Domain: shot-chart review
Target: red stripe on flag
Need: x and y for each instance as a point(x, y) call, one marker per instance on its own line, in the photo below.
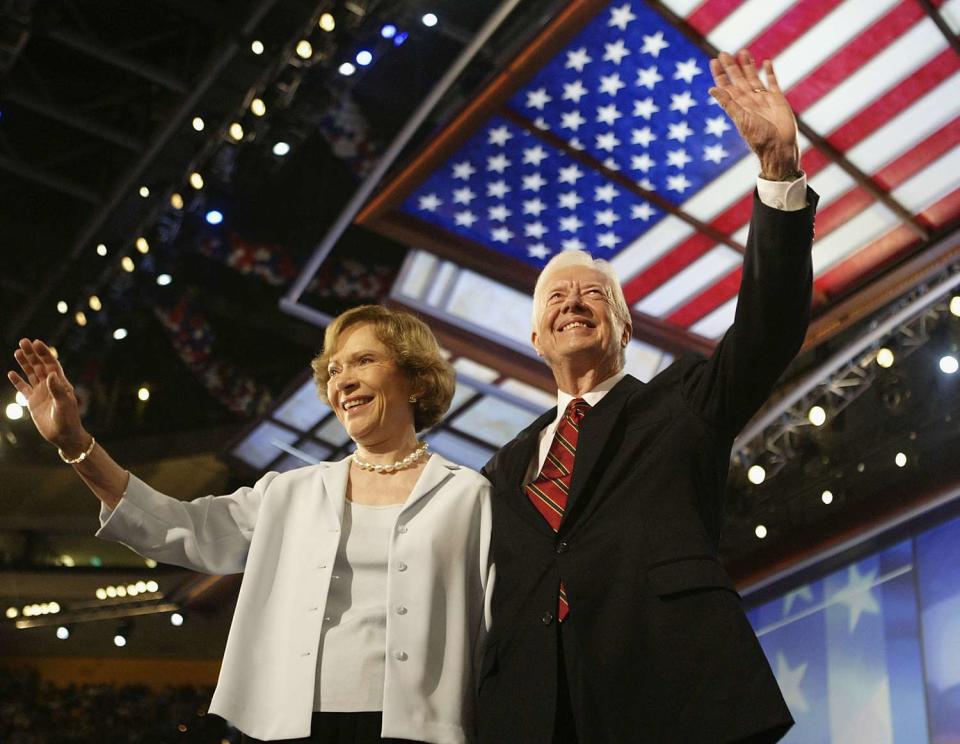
point(924, 153)
point(790, 26)
point(944, 211)
point(834, 70)
point(706, 17)
point(708, 300)
point(881, 251)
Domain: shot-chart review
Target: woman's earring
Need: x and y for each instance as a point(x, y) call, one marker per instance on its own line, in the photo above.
point(412, 399)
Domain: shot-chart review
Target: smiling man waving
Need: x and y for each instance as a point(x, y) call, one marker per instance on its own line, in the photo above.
point(613, 620)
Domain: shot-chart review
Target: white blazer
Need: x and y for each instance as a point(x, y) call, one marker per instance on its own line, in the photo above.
point(283, 534)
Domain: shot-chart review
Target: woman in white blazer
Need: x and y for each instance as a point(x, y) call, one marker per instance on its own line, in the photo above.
point(361, 614)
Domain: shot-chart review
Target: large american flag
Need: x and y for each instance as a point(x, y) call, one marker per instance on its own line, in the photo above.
point(875, 78)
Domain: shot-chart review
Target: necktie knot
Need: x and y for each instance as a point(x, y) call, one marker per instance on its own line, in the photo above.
point(577, 409)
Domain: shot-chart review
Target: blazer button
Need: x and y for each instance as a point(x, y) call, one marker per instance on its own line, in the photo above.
point(562, 546)
point(401, 566)
point(547, 618)
point(400, 655)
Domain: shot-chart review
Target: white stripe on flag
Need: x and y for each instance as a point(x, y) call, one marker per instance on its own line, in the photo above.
point(951, 14)
point(906, 129)
point(715, 324)
point(650, 246)
point(683, 8)
point(851, 236)
point(830, 183)
point(827, 37)
point(938, 179)
point(697, 276)
point(896, 62)
point(727, 188)
point(746, 22)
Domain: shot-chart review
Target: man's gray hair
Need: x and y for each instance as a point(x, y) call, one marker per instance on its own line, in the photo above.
point(581, 258)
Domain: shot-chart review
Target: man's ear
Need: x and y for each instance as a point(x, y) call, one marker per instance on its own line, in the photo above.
point(627, 334)
point(534, 343)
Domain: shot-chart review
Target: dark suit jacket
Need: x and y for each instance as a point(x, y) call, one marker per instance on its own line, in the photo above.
point(667, 654)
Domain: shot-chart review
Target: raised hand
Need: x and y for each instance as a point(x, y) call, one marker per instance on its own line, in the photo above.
point(760, 112)
point(50, 397)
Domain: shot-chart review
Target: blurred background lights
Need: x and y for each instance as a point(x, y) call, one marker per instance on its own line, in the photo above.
point(817, 416)
point(101, 250)
point(198, 123)
point(164, 279)
point(955, 305)
point(826, 497)
point(21, 399)
point(143, 394)
point(258, 107)
point(388, 31)
point(81, 318)
point(119, 334)
point(144, 192)
point(95, 303)
point(214, 217)
point(119, 640)
point(127, 263)
point(948, 364)
point(364, 58)
point(256, 46)
point(62, 307)
point(196, 180)
point(101, 593)
point(176, 201)
point(142, 245)
point(14, 411)
point(176, 619)
point(429, 20)
point(400, 38)
point(152, 586)
point(885, 358)
point(304, 49)
point(12, 612)
point(760, 531)
point(63, 632)
point(281, 148)
point(900, 459)
point(235, 131)
point(347, 69)
point(756, 474)
point(327, 22)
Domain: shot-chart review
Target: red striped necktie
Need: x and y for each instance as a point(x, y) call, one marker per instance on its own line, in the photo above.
point(548, 491)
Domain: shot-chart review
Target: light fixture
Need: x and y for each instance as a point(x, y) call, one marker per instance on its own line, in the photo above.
point(127, 263)
point(756, 474)
point(258, 107)
point(388, 31)
point(760, 531)
point(119, 640)
point(95, 303)
point(347, 69)
point(12, 612)
point(885, 357)
point(142, 245)
point(176, 201)
point(364, 57)
point(955, 305)
point(948, 364)
point(14, 411)
point(81, 318)
point(304, 49)
point(176, 619)
point(235, 131)
point(214, 217)
point(900, 459)
point(164, 279)
point(144, 192)
point(62, 307)
point(327, 22)
point(400, 38)
point(63, 632)
point(256, 46)
point(196, 180)
point(817, 416)
point(152, 586)
point(198, 123)
point(429, 20)
point(143, 394)
point(101, 250)
point(119, 334)
point(826, 497)
point(281, 148)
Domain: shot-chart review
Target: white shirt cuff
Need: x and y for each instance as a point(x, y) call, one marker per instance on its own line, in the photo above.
point(790, 196)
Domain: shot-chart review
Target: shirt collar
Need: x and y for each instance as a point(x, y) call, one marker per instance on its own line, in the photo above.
point(592, 397)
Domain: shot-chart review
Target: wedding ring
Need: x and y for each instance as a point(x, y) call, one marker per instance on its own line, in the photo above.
point(759, 90)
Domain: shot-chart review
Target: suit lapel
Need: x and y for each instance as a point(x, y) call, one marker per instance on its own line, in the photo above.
point(522, 451)
point(595, 430)
point(335, 478)
point(436, 472)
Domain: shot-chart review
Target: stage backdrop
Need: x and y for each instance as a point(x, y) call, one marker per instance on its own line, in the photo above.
point(871, 652)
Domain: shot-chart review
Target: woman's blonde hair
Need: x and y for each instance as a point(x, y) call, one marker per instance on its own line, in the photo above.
point(414, 349)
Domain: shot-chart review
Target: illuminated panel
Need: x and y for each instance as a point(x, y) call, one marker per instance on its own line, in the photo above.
point(302, 410)
point(259, 448)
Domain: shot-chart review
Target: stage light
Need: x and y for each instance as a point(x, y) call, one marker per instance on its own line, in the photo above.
point(327, 22)
point(101, 593)
point(142, 245)
point(948, 364)
point(121, 590)
point(12, 612)
point(176, 619)
point(235, 131)
point(81, 318)
point(388, 31)
point(281, 148)
point(149, 563)
point(885, 358)
point(143, 394)
point(347, 69)
point(176, 201)
point(400, 38)
point(214, 217)
point(144, 192)
point(63, 632)
point(153, 586)
point(95, 303)
point(900, 459)
point(127, 263)
point(14, 411)
point(119, 640)
point(111, 592)
point(429, 20)
point(826, 497)
point(198, 123)
point(62, 307)
point(955, 305)
point(164, 279)
point(21, 399)
point(132, 590)
point(256, 46)
point(141, 586)
point(119, 334)
point(760, 531)
point(304, 49)
point(756, 474)
point(101, 250)
point(196, 180)
point(258, 107)
point(364, 58)
point(817, 416)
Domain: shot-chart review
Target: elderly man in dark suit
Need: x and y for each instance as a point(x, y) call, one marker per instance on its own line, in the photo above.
point(613, 620)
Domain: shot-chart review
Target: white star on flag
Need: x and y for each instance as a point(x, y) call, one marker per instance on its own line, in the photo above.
point(804, 592)
point(570, 200)
point(465, 218)
point(642, 162)
point(534, 156)
point(498, 213)
point(501, 235)
point(642, 212)
point(538, 250)
point(538, 98)
point(611, 164)
point(499, 136)
point(535, 230)
point(578, 59)
point(606, 193)
point(575, 143)
point(498, 163)
point(642, 137)
point(645, 108)
point(678, 183)
point(646, 183)
point(574, 91)
point(615, 52)
point(464, 195)
point(534, 207)
point(714, 153)
point(605, 217)
point(679, 131)
point(463, 170)
point(573, 244)
point(570, 174)
point(649, 77)
point(789, 679)
point(533, 182)
point(607, 141)
point(430, 202)
point(571, 223)
point(541, 123)
point(687, 71)
point(621, 17)
point(857, 595)
point(608, 114)
point(498, 189)
point(608, 240)
point(682, 102)
point(678, 158)
point(654, 44)
point(717, 126)
point(611, 84)
point(572, 120)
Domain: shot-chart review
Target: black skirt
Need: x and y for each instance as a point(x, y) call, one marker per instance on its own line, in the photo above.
point(343, 728)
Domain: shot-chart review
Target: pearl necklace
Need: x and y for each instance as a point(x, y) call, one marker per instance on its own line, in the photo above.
point(414, 457)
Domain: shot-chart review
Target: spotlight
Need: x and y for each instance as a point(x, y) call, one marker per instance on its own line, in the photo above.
point(214, 217)
point(164, 279)
point(119, 334)
point(153, 586)
point(63, 632)
point(127, 263)
point(198, 123)
point(81, 318)
point(258, 107)
point(142, 245)
point(900, 460)
point(95, 303)
point(256, 46)
point(364, 58)
point(196, 180)
point(235, 131)
point(281, 148)
point(101, 593)
point(176, 201)
point(347, 69)
point(885, 358)
point(304, 49)
point(176, 619)
point(143, 394)
point(817, 416)
point(327, 22)
point(400, 38)
point(14, 411)
point(388, 31)
point(760, 531)
point(826, 497)
point(429, 20)
point(62, 307)
point(948, 364)
point(144, 192)
point(101, 250)
point(119, 640)
point(756, 474)
point(21, 399)
point(12, 612)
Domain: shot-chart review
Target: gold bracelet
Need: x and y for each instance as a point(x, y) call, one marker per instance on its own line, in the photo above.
point(80, 458)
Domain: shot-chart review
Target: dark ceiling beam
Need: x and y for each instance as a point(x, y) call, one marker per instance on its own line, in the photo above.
point(48, 179)
point(931, 10)
point(118, 59)
point(73, 119)
point(862, 179)
point(124, 186)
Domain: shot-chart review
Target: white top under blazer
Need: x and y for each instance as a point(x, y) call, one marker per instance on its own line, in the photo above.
point(283, 534)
